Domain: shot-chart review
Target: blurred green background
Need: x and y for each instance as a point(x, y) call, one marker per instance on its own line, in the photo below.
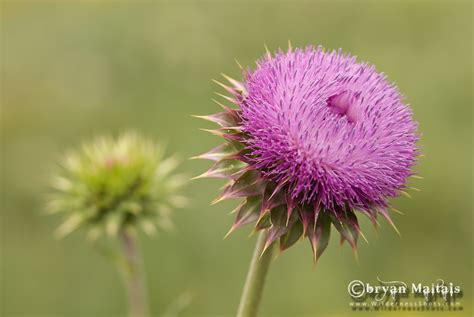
point(71, 71)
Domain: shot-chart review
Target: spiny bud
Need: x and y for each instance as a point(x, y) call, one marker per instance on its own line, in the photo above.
point(113, 184)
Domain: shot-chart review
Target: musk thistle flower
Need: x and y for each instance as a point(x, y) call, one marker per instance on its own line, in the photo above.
point(111, 185)
point(316, 139)
point(117, 186)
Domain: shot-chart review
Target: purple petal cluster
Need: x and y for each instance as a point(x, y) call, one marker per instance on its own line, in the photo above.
point(330, 129)
point(316, 137)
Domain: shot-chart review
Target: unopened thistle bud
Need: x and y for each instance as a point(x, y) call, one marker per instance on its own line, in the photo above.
point(316, 139)
point(110, 185)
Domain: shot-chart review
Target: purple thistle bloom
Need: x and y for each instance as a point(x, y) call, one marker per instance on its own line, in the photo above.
point(333, 129)
point(316, 132)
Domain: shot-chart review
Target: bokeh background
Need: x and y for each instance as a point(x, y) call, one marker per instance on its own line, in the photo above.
point(71, 71)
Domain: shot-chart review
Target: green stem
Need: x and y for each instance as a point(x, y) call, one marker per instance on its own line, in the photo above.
point(134, 278)
point(255, 281)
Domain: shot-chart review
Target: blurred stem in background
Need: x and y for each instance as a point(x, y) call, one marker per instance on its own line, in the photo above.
point(134, 277)
point(253, 289)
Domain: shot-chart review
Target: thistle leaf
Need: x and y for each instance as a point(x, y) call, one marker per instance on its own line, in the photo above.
point(114, 223)
point(273, 233)
point(230, 90)
point(278, 216)
point(246, 213)
point(230, 99)
point(218, 153)
point(354, 223)
point(372, 215)
point(290, 205)
point(148, 226)
point(247, 185)
point(292, 236)
point(225, 168)
point(232, 111)
point(70, 225)
point(232, 135)
point(346, 228)
point(319, 235)
point(306, 216)
point(263, 222)
point(95, 232)
point(386, 215)
point(270, 198)
point(167, 166)
point(224, 119)
point(238, 85)
point(165, 223)
point(278, 226)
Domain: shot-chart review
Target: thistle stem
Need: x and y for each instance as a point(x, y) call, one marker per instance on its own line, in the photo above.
point(255, 281)
point(134, 278)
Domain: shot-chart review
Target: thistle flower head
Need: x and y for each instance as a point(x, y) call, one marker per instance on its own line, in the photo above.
point(316, 137)
point(110, 185)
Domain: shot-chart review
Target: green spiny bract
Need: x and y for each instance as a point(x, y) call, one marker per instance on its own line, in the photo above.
point(110, 185)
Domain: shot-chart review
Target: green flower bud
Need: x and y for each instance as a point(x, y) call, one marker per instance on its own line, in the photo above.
point(111, 185)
